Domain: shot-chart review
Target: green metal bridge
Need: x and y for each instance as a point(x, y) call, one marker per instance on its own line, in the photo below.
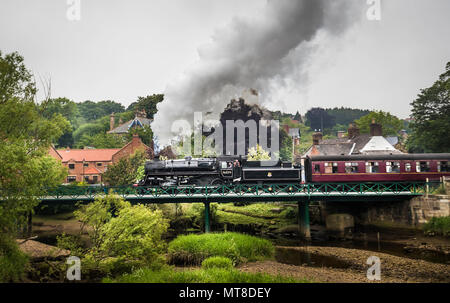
point(301, 193)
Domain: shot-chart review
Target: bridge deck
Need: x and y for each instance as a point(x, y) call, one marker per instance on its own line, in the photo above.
point(250, 193)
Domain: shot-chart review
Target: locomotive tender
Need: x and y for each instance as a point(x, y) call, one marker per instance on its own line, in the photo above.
point(317, 169)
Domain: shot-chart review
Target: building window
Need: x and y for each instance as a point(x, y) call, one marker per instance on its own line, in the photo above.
point(392, 167)
point(422, 166)
point(443, 166)
point(407, 167)
point(317, 168)
point(86, 178)
point(351, 168)
point(85, 164)
point(99, 164)
point(71, 166)
point(331, 167)
point(372, 167)
point(95, 179)
point(71, 179)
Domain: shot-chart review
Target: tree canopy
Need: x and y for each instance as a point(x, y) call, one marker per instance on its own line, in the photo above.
point(148, 103)
point(319, 119)
point(26, 168)
point(431, 117)
point(390, 123)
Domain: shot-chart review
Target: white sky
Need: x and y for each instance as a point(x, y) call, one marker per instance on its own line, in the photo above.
point(120, 50)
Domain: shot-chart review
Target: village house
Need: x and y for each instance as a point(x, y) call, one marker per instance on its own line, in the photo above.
point(354, 143)
point(140, 121)
point(88, 165)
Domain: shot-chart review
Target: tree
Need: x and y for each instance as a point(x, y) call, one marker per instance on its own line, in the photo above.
point(431, 117)
point(148, 103)
point(92, 111)
point(26, 169)
point(257, 154)
point(124, 172)
point(318, 119)
point(390, 123)
point(345, 116)
point(69, 110)
point(15, 79)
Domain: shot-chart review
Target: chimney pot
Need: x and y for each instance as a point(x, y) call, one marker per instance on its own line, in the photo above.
point(317, 137)
point(111, 121)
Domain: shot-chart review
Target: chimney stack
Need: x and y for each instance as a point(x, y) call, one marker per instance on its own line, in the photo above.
point(111, 122)
point(353, 131)
point(375, 129)
point(317, 137)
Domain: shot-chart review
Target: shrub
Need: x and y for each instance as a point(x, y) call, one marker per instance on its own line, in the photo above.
point(122, 236)
point(217, 262)
point(440, 226)
point(289, 213)
point(193, 249)
point(12, 260)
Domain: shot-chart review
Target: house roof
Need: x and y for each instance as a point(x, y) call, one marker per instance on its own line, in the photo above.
point(91, 171)
point(378, 144)
point(88, 155)
point(125, 127)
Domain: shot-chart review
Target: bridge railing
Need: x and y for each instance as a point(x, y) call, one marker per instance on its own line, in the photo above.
point(233, 190)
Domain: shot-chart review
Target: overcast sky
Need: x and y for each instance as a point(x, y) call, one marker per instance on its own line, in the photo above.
point(120, 50)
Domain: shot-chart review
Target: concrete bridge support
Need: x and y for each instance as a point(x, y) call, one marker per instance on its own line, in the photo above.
point(303, 220)
point(207, 218)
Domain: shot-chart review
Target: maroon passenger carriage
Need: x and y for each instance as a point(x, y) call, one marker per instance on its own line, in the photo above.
point(377, 168)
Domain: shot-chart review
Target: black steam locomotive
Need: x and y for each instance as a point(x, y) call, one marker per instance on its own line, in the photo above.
point(217, 171)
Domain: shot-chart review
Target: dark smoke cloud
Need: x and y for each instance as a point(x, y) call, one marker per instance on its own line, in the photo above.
point(250, 53)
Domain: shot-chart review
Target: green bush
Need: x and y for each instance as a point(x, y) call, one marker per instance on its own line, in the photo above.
point(12, 260)
point(193, 249)
point(289, 213)
point(212, 275)
point(440, 226)
point(217, 262)
point(122, 236)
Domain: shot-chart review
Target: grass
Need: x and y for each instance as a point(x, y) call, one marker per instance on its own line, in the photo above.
point(193, 249)
point(217, 262)
point(440, 226)
point(211, 275)
point(262, 210)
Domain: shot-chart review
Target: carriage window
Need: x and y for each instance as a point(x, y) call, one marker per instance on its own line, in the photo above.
point(331, 167)
point(351, 167)
point(317, 168)
point(407, 167)
point(372, 167)
point(443, 166)
point(392, 167)
point(422, 166)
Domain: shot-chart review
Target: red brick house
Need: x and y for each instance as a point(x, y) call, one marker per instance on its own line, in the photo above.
point(89, 164)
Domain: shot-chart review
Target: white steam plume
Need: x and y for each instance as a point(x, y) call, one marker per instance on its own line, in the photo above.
point(249, 53)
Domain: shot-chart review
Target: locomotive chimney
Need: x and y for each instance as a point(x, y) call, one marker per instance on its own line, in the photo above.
point(353, 131)
point(317, 137)
point(376, 129)
point(111, 121)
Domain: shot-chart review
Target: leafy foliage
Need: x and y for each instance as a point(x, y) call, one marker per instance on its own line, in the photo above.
point(390, 123)
point(257, 154)
point(25, 167)
point(92, 111)
point(125, 172)
point(440, 226)
point(148, 103)
point(122, 236)
point(431, 117)
point(319, 119)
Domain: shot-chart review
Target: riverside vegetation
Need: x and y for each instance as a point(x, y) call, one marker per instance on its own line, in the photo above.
point(126, 245)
